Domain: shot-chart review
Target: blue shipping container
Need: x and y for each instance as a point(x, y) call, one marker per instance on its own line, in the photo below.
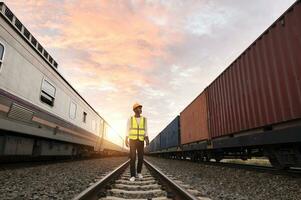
point(152, 146)
point(170, 136)
point(157, 143)
point(163, 139)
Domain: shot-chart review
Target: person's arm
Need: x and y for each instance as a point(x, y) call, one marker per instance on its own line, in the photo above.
point(126, 141)
point(146, 133)
point(127, 133)
point(146, 140)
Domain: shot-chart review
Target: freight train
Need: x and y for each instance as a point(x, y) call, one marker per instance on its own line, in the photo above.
point(253, 108)
point(41, 114)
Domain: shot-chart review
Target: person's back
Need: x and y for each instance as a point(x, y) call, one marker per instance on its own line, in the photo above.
point(136, 135)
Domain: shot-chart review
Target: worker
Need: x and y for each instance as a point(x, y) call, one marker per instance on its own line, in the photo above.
point(136, 135)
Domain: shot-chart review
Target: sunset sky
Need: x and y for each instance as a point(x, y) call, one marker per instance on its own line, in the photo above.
point(161, 54)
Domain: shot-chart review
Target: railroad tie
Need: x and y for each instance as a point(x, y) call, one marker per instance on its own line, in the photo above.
point(140, 189)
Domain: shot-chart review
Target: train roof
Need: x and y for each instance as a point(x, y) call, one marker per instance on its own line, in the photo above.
point(16, 24)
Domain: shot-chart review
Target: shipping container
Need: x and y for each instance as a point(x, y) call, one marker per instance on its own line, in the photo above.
point(163, 139)
point(170, 136)
point(194, 120)
point(157, 145)
point(262, 87)
point(147, 149)
point(151, 146)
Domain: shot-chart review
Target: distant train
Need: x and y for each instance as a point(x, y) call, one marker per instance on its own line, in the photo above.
point(41, 114)
point(252, 109)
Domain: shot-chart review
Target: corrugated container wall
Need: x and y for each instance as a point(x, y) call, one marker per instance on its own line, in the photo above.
point(157, 146)
point(263, 86)
point(194, 120)
point(163, 139)
point(151, 146)
point(170, 135)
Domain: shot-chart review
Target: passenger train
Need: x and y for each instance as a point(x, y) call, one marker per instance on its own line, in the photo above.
point(41, 114)
point(252, 109)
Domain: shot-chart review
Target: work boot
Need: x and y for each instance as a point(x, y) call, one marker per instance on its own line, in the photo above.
point(140, 176)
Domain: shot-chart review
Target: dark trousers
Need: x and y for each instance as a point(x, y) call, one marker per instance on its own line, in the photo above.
point(136, 145)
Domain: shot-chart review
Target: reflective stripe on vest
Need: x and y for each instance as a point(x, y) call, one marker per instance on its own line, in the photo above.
point(137, 131)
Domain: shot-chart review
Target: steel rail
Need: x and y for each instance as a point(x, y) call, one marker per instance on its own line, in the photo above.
point(93, 192)
point(179, 193)
point(296, 172)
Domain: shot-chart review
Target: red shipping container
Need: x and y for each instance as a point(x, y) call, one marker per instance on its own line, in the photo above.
point(263, 86)
point(194, 121)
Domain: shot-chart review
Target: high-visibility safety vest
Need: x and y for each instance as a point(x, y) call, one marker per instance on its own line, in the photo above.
point(137, 131)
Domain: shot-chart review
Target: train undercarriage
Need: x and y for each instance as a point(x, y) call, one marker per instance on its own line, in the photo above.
point(15, 147)
point(280, 156)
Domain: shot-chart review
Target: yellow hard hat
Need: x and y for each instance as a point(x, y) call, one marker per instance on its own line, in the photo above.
point(136, 105)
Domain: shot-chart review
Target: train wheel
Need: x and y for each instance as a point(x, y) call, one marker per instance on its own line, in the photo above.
point(206, 159)
point(276, 163)
point(194, 158)
point(218, 158)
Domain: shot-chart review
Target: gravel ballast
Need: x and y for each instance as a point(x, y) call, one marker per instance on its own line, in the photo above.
point(218, 182)
point(55, 181)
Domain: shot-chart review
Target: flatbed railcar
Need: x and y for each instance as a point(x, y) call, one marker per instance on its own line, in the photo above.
point(254, 107)
point(41, 114)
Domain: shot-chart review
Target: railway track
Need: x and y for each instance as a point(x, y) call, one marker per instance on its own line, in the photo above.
point(292, 172)
point(154, 185)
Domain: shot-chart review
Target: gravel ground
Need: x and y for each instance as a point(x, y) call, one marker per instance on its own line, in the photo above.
point(54, 181)
point(218, 182)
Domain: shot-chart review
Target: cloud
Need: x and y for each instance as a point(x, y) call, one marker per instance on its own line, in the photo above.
point(159, 53)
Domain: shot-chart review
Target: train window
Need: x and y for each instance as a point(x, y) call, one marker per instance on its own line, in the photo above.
point(18, 24)
point(46, 54)
point(26, 33)
point(47, 93)
point(97, 126)
point(40, 48)
point(50, 145)
point(34, 41)
point(72, 111)
point(9, 14)
point(84, 117)
point(93, 125)
point(100, 128)
point(1, 53)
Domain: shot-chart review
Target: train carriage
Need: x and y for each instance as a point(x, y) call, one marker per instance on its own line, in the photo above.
point(254, 107)
point(40, 112)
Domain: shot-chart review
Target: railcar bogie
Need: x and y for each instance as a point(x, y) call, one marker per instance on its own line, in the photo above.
point(284, 156)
